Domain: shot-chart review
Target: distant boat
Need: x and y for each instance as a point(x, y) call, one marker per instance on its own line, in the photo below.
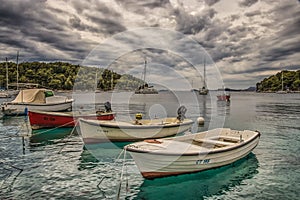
point(145, 89)
point(36, 99)
point(204, 90)
point(191, 153)
point(99, 131)
point(223, 97)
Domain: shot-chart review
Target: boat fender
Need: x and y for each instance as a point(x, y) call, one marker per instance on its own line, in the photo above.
point(153, 141)
point(200, 120)
point(138, 116)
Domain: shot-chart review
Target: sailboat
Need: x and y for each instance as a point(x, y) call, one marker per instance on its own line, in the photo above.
point(204, 90)
point(145, 89)
point(281, 91)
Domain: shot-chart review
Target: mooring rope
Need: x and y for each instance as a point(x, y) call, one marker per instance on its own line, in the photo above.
point(121, 177)
point(56, 127)
point(10, 173)
point(68, 137)
point(105, 176)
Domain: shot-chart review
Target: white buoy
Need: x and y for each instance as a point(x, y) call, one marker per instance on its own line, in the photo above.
point(200, 120)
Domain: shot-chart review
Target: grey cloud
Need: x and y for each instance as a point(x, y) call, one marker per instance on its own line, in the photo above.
point(107, 25)
point(253, 13)
point(234, 17)
point(247, 3)
point(285, 42)
point(106, 20)
point(37, 33)
point(139, 7)
point(211, 2)
point(192, 24)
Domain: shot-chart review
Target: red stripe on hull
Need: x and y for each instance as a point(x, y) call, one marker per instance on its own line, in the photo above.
point(43, 120)
point(152, 175)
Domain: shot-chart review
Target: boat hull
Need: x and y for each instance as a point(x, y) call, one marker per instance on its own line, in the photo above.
point(122, 132)
point(39, 119)
point(157, 164)
point(11, 108)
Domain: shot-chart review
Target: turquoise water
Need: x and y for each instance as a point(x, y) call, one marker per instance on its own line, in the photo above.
point(55, 164)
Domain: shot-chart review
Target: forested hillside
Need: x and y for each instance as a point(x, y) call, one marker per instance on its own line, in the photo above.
point(61, 76)
point(291, 82)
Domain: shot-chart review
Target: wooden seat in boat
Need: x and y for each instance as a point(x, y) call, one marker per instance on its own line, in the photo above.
point(214, 142)
point(227, 138)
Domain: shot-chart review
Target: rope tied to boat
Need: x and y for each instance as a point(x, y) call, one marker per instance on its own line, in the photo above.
point(10, 174)
point(68, 137)
point(121, 177)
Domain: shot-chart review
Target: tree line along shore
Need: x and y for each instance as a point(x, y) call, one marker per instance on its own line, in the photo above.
point(284, 80)
point(63, 76)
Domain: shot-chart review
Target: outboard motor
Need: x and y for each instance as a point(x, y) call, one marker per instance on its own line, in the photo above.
point(107, 106)
point(181, 113)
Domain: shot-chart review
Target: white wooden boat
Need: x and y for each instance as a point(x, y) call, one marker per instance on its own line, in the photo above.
point(36, 99)
point(193, 152)
point(97, 131)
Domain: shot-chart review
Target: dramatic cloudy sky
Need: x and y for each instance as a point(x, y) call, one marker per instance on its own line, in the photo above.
point(247, 39)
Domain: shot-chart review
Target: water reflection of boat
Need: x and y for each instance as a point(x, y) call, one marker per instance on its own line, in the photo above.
point(200, 185)
point(48, 136)
point(104, 153)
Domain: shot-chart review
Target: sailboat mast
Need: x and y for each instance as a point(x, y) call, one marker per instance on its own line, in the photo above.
point(6, 74)
point(204, 84)
point(17, 70)
point(282, 80)
point(112, 80)
point(145, 71)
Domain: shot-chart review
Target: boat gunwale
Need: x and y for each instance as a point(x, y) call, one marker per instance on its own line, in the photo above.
point(135, 126)
point(212, 151)
point(37, 104)
point(71, 115)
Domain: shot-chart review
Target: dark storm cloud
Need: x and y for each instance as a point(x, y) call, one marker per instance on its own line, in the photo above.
point(30, 27)
point(285, 42)
point(107, 25)
point(106, 20)
point(76, 23)
point(247, 3)
point(193, 24)
point(45, 31)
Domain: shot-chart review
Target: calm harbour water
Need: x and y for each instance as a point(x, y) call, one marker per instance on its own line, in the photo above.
point(56, 165)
